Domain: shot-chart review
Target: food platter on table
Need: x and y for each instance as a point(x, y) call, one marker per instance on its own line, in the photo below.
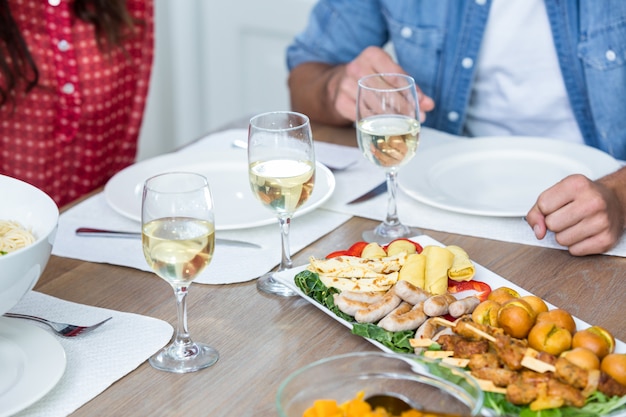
point(482, 275)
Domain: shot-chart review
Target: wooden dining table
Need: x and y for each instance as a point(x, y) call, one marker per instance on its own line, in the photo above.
point(263, 338)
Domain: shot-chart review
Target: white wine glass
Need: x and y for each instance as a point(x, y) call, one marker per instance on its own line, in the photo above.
point(388, 130)
point(281, 166)
point(178, 239)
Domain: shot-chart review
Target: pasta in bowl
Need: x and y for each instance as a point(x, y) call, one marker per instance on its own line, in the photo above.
point(28, 224)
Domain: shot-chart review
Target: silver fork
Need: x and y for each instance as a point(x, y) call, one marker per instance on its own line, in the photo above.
point(62, 329)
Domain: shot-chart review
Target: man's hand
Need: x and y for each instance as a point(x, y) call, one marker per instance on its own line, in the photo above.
point(372, 60)
point(327, 93)
point(586, 216)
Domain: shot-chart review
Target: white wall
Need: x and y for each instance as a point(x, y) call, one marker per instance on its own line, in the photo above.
point(215, 62)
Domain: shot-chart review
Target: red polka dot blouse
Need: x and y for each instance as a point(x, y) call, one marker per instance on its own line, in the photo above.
point(80, 124)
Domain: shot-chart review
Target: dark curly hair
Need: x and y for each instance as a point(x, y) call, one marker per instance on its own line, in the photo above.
point(110, 19)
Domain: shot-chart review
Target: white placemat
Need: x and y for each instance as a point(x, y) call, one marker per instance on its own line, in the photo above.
point(419, 215)
point(94, 360)
point(229, 264)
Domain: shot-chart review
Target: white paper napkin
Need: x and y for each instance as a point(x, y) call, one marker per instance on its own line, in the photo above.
point(229, 265)
point(94, 360)
point(419, 215)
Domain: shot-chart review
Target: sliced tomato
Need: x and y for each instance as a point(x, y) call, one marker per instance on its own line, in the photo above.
point(482, 289)
point(337, 253)
point(357, 248)
point(418, 247)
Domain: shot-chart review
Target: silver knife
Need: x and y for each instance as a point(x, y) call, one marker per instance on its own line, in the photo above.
point(379, 189)
point(87, 231)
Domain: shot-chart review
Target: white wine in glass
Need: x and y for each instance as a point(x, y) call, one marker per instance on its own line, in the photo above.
point(388, 130)
point(178, 239)
point(281, 164)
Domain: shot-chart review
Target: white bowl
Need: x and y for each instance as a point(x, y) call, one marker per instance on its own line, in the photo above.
point(35, 210)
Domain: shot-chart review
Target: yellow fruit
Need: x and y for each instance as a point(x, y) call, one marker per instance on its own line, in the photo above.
point(516, 317)
point(372, 251)
point(486, 313)
point(614, 364)
point(399, 246)
point(583, 358)
point(550, 338)
point(596, 339)
point(502, 294)
point(537, 304)
point(560, 317)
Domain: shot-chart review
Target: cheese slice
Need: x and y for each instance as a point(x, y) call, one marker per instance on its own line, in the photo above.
point(462, 268)
point(438, 261)
point(341, 263)
point(382, 282)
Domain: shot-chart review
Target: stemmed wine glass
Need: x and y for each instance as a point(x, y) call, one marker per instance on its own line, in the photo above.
point(178, 239)
point(388, 131)
point(281, 166)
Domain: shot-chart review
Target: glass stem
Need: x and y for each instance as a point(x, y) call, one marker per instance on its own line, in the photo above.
point(285, 261)
point(183, 345)
point(392, 191)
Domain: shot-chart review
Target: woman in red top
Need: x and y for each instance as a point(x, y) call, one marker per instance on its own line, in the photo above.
point(74, 78)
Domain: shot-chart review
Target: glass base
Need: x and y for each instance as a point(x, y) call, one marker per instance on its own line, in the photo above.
point(385, 233)
point(195, 357)
point(269, 285)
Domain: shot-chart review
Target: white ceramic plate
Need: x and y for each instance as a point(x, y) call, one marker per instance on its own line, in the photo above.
point(482, 274)
point(227, 172)
point(32, 362)
point(497, 176)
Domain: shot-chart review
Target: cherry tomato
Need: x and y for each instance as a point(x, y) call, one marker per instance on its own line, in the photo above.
point(418, 247)
point(337, 253)
point(357, 248)
point(482, 289)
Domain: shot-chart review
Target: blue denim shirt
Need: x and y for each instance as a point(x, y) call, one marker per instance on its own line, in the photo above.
point(437, 42)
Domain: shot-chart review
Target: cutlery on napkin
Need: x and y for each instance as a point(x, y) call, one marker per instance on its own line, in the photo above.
point(87, 231)
point(379, 189)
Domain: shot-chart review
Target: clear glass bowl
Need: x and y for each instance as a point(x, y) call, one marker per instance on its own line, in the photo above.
point(342, 377)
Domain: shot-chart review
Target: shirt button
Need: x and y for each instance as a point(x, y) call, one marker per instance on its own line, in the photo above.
point(481, 2)
point(610, 55)
point(63, 45)
point(453, 116)
point(68, 88)
point(467, 62)
point(406, 32)
point(54, 2)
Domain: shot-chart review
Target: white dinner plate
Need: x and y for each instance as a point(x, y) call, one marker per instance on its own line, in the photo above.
point(497, 176)
point(227, 171)
point(32, 362)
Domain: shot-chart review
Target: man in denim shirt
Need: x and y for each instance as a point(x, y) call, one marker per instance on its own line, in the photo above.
point(488, 67)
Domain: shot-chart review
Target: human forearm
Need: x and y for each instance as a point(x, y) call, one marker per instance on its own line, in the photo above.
point(314, 88)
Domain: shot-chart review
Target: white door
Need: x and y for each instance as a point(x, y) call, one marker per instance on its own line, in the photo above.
point(245, 55)
point(215, 62)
